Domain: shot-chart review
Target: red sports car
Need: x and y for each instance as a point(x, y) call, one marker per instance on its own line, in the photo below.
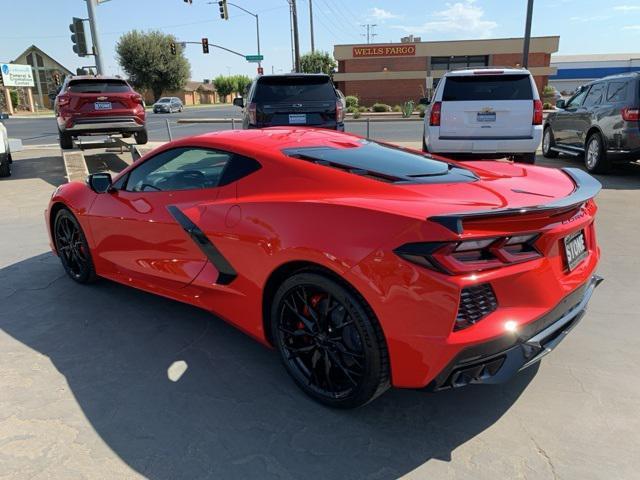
point(363, 264)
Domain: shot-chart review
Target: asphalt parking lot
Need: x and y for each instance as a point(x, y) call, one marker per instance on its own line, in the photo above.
point(108, 382)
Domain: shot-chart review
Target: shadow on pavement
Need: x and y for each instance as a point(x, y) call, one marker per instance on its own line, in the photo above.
point(234, 413)
point(45, 164)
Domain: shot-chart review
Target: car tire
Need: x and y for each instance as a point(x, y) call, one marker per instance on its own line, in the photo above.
point(425, 149)
point(66, 141)
point(72, 247)
point(141, 136)
point(5, 168)
point(339, 358)
point(595, 155)
point(527, 158)
point(548, 141)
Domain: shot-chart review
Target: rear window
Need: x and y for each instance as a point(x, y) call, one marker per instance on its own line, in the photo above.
point(374, 159)
point(616, 92)
point(98, 86)
point(288, 89)
point(487, 87)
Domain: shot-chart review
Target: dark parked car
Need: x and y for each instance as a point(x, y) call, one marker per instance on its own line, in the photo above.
point(168, 105)
point(99, 105)
point(293, 99)
point(600, 122)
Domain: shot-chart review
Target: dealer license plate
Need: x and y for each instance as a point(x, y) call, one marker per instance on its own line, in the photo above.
point(102, 105)
point(575, 249)
point(486, 116)
point(297, 118)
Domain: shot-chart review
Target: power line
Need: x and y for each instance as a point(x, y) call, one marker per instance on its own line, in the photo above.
point(345, 25)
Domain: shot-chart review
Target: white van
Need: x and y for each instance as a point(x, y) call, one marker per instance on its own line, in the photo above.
point(486, 113)
point(5, 153)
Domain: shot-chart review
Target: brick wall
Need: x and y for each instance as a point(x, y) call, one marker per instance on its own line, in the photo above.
point(391, 92)
point(513, 59)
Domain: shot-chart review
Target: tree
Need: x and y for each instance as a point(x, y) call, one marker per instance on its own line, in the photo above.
point(224, 86)
point(240, 83)
point(317, 62)
point(149, 63)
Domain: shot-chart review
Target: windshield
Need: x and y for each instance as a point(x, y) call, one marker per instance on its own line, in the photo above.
point(98, 86)
point(289, 89)
point(487, 87)
point(164, 100)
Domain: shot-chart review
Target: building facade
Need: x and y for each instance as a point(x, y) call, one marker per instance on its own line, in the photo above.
point(575, 70)
point(44, 68)
point(393, 73)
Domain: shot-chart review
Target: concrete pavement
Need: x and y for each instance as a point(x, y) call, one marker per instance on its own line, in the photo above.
point(90, 383)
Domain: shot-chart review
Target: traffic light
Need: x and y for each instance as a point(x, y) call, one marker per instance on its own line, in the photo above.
point(188, 1)
point(78, 37)
point(205, 45)
point(224, 14)
point(56, 79)
point(172, 46)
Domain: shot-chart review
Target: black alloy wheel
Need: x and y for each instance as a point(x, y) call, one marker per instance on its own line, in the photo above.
point(72, 248)
point(329, 341)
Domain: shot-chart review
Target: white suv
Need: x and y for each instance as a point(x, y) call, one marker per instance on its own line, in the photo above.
point(5, 153)
point(485, 112)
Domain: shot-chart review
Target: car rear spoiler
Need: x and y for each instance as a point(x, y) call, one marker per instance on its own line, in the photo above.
point(586, 187)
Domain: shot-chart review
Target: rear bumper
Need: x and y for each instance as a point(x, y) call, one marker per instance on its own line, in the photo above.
point(90, 125)
point(330, 126)
point(492, 363)
point(479, 145)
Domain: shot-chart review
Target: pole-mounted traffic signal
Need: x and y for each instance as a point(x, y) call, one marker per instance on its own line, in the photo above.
point(78, 37)
point(205, 45)
point(224, 14)
point(188, 1)
point(172, 47)
point(56, 79)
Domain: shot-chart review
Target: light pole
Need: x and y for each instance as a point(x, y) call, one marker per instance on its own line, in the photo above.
point(527, 35)
point(95, 36)
point(313, 49)
point(255, 15)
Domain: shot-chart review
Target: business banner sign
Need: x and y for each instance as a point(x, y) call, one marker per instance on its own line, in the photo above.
point(14, 75)
point(401, 50)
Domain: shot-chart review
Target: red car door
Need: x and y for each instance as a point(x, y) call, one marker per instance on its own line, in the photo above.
point(135, 232)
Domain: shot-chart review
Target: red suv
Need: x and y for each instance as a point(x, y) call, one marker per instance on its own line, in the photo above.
point(98, 105)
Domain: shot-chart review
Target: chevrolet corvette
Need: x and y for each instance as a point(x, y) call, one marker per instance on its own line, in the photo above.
point(364, 265)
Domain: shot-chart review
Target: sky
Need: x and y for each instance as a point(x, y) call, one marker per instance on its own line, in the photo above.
point(584, 26)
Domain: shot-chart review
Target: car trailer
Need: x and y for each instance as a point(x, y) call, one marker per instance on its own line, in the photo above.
point(74, 160)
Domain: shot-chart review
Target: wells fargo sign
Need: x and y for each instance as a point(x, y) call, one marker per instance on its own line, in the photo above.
point(385, 51)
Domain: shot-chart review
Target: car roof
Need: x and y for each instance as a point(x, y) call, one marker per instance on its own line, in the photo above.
point(96, 77)
point(487, 71)
point(625, 75)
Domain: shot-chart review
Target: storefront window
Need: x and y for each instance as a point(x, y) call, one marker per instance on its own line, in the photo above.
point(458, 62)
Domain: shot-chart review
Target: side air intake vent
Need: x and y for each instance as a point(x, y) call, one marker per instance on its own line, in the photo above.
point(475, 303)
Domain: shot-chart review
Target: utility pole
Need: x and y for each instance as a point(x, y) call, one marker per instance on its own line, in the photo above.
point(255, 15)
point(313, 49)
point(369, 34)
point(527, 35)
point(95, 36)
point(296, 40)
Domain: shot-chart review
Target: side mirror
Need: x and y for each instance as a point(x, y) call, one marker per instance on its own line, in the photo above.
point(99, 182)
point(424, 101)
point(560, 103)
point(238, 102)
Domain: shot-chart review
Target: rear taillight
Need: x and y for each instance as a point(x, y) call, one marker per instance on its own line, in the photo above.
point(339, 112)
point(63, 100)
point(537, 112)
point(252, 110)
point(468, 256)
point(434, 116)
point(137, 98)
point(631, 114)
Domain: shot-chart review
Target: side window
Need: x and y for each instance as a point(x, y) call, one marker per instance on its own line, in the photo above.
point(595, 95)
point(577, 99)
point(179, 169)
point(616, 92)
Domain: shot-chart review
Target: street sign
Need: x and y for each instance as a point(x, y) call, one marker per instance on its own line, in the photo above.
point(260, 71)
point(14, 75)
point(254, 58)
